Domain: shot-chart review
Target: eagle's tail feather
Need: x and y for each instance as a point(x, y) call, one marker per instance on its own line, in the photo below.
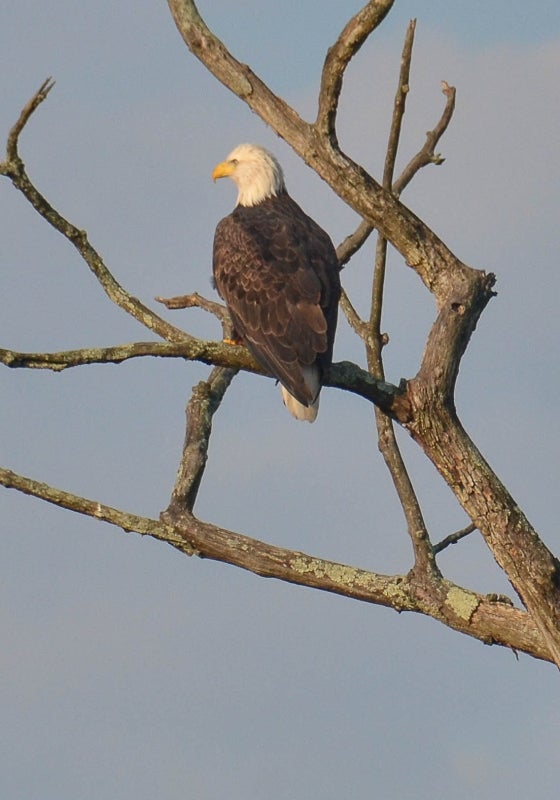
point(299, 410)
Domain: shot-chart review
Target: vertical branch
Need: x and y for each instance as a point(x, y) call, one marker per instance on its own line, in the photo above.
point(388, 446)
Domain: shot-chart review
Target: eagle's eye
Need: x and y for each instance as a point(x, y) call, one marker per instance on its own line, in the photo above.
point(234, 161)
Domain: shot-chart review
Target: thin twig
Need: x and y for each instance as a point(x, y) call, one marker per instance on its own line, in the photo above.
point(28, 109)
point(389, 449)
point(354, 320)
point(453, 538)
point(14, 169)
point(399, 106)
point(353, 242)
point(388, 446)
point(426, 155)
point(196, 300)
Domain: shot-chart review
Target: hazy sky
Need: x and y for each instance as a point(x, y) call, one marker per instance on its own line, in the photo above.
point(130, 672)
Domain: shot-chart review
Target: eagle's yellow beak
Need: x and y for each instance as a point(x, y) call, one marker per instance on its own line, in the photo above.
point(223, 170)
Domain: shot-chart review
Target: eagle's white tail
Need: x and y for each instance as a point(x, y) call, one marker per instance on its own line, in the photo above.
point(297, 409)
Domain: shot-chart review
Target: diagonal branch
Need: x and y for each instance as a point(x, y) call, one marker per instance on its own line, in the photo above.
point(353, 318)
point(352, 37)
point(196, 300)
point(399, 107)
point(427, 155)
point(205, 400)
point(237, 77)
point(453, 538)
point(422, 249)
point(485, 618)
point(12, 143)
point(91, 508)
point(14, 168)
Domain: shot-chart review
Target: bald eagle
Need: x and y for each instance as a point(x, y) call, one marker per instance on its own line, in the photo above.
point(278, 273)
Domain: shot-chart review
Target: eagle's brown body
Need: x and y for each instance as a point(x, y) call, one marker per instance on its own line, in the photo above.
point(278, 273)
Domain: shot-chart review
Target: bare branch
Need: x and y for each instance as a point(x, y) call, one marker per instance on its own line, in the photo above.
point(195, 300)
point(91, 508)
point(343, 375)
point(14, 169)
point(354, 320)
point(13, 137)
point(237, 77)
point(388, 446)
point(399, 105)
point(484, 618)
point(192, 349)
point(424, 560)
point(353, 242)
point(94, 355)
point(426, 155)
point(204, 402)
point(354, 34)
point(453, 538)
point(423, 158)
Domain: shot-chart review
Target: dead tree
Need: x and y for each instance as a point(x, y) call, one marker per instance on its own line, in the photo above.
point(424, 406)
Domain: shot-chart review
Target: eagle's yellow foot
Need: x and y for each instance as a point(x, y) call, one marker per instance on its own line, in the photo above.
point(234, 342)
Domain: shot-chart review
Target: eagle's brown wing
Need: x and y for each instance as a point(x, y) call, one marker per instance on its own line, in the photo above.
point(277, 271)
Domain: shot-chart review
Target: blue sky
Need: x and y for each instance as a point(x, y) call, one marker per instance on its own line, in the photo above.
point(129, 671)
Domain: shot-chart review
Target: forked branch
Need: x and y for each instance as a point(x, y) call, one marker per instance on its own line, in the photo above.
point(425, 405)
point(461, 294)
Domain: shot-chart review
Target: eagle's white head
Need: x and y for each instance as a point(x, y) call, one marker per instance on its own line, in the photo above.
point(256, 172)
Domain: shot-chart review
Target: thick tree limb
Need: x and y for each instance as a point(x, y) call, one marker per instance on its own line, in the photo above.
point(343, 375)
point(532, 569)
point(419, 245)
point(483, 617)
point(232, 73)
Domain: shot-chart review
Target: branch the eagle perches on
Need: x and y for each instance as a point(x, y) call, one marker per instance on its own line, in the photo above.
point(424, 405)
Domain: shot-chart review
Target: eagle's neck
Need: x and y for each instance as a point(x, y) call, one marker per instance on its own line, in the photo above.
point(263, 183)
